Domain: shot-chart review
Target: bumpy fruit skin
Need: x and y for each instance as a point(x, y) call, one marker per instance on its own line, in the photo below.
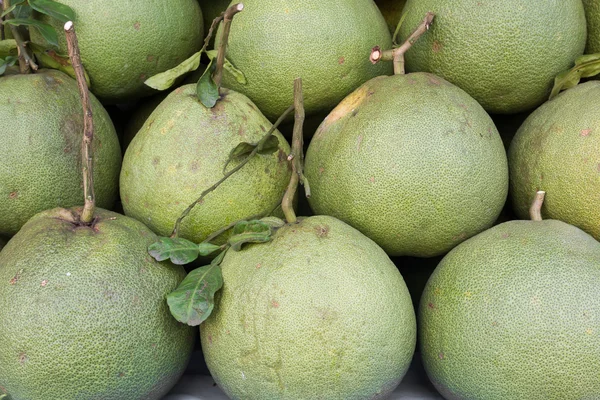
point(592, 14)
point(320, 312)
point(411, 161)
point(83, 312)
point(123, 43)
point(181, 151)
point(512, 314)
point(327, 44)
point(557, 149)
point(504, 54)
point(41, 128)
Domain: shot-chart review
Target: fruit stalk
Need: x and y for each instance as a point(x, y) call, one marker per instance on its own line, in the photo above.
point(87, 215)
point(297, 156)
point(397, 55)
point(230, 173)
point(535, 211)
point(26, 62)
point(227, 18)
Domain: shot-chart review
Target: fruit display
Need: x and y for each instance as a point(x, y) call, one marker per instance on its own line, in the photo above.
point(267, 200)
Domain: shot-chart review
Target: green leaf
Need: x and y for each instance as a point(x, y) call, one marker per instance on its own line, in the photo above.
point(7, 62)
point(14, 4)
point(47, 31)
point(273, 222)
point(51, 59)
point(207, 249)
point(229, 67)
point(180, 251)
point(194, 299)
point(249, 232)
point(586, 66)
point(8, 47)
point(55, 10)
point(207, 90)
point(244, 149)
point(166, 79)
point(22, 11)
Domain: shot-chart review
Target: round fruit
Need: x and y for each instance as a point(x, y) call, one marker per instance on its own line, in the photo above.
point(504, 54)
point(592, 13)
point(123, 43)
point(391, 11)
point(557, 149)
point(182, 150)
point(318, 313)
point(411, 161)
point(273, 43)
point(40, 156)
point(83, 312)
point(512, 314)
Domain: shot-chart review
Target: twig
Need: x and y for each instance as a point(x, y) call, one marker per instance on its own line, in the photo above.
point(227, 18)
point(187, 211)
point(213, 26)
point(87, 215)
point(297, 155)
point(397, 55)
point(535, 211)
point(26, 62)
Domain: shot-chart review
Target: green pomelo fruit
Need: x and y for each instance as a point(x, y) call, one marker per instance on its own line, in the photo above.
point(557, 149)
point(123, 43)
point(139, 116)
point(411, 161)
point(182, 150)
point(391, 11)
point(504, 54)
point(512, 313)
point(83, 312)
point(274, 42)
point(592, 13)
point(41, 122)
point(320, 312)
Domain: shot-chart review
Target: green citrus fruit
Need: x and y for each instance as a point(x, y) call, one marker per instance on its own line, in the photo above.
point(592, 13)
point(512, 314)
point(411, 161)
point(84, 314)
point(123, 43)
point(557, 149)
point(182, 150)
point(274, 42)
point(504, 54)
point(320, 312)
point(40, 156)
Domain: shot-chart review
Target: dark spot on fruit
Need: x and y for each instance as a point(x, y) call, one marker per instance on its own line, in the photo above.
point(155, 161)
point(16, 278)
point(136, 26)
point(441, 356)
point(194, 166)
point(433, 80)
point(262, 128)
point(505, 235)
point(370, 93)
point(321, 170)
point(121, 374)
point(150, 58)
point(241, 132)
point(322, 230)
point(586, 132)
point(461, 236)
point(341, 60)
point(431, 306)
point(44, 283)
point(281, 156)
point(436, 47)
point(210, 339)
point(267, 171)
point(143, 77)
point(50, 82)
point(23, 358)
point(494, 323)
point(13, 195)
point(598, 167)
point(274, 304)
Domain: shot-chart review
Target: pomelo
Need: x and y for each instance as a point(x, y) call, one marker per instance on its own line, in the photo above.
point(327, 44)
point(83, 312)
point(512, 313)
point(182, 150)
point(41, 122)
point(504, 54)
point(557, 149)
point(592, 13)
point(320, 312)
point(411, 161)
point(123, 43)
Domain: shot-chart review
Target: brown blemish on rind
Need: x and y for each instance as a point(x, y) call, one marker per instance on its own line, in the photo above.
point(322, 230)
point(586, 132)
point(13, 195)
point(341, 60)
point(23, 358)
point(436, 47)
point(136, 26)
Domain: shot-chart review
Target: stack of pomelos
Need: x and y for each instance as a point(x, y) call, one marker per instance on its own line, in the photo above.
point(416, 155)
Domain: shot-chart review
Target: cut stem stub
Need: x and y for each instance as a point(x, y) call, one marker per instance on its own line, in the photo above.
point(87, 215)
point(397, 55)
point(535, 211)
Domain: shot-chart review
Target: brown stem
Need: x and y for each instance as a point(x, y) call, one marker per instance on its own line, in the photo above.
point(26, 62)
point(187, 211)
point(297, 155)
point(397, 55)
point(87, 215)
point(227, 18)
point(535, 211)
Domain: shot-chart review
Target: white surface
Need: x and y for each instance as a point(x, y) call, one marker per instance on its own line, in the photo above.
point(414, 386)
